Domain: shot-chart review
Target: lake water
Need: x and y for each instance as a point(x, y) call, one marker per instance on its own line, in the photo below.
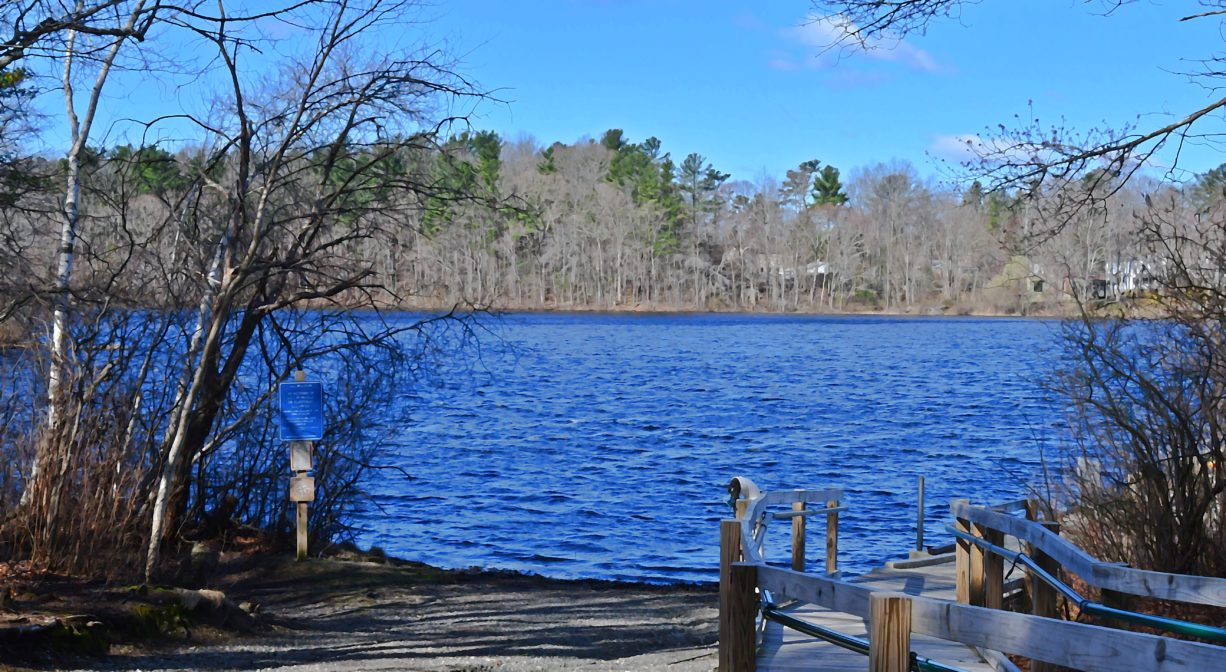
point(599, 446)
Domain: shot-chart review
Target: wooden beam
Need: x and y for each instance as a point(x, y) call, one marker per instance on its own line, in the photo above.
point(978, 569)
point(993, 569)
point(788, 515)
point(774, 497)
point(1044, 600)
point(1160, 585)
point(889, 639)
point(302, 531)
point(962, 561)
point(729, 553)
point(743, 613)
point(1077, 645)
point(849, 598)
point(1011, 505)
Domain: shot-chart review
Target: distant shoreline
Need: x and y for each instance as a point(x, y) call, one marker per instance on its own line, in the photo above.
point(665, 310)
point(765, 314)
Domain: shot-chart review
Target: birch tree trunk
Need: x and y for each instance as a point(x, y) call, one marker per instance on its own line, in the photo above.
point(79, 127)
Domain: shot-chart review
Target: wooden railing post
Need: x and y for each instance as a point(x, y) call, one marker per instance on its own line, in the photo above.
point(962, 559)
point(1042, 596)
point(729, 553)
point(889, 640)
point(798, 538)
point(1117, 600)
point(832, 538)
point(742, 648)
point(993, 586)
point(977, 570)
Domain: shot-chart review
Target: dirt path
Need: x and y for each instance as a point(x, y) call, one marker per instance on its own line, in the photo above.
point(346, 615)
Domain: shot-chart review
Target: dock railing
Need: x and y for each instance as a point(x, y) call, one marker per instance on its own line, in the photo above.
point(981, 552)
point(742, 545)
point(747, 583)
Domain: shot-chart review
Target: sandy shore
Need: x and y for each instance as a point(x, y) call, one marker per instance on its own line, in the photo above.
point(332, 614)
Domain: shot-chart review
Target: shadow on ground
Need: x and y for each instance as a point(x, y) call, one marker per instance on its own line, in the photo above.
point(339, 615)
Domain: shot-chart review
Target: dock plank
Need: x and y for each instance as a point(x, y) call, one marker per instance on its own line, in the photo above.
point(785, 650)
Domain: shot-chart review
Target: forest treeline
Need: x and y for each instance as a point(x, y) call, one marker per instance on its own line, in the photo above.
point(613, 224)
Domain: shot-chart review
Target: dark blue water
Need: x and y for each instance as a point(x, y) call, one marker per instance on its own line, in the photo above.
point(599, 446)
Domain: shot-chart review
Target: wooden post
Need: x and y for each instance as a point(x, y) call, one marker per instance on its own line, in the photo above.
point(798, 538)
point(729, 553)
point(962, 559)
point(832, 538)
point(993, 569)
point(919, 518)
point(1117, 600)
point(741, 506)
point(729, 545)
point(302, 531)
point(1042, 596)
point(742, 645)
point(978, 569)
point(889, 639)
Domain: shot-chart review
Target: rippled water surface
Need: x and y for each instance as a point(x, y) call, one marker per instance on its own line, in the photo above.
point(599, 446)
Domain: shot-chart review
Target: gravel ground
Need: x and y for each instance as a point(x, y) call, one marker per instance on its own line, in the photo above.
point(357, 615)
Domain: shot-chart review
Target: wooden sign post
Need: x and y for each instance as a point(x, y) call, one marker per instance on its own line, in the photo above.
point(301, 489)
point(301, 424)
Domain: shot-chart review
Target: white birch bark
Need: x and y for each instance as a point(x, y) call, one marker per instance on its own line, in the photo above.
point(79, 127)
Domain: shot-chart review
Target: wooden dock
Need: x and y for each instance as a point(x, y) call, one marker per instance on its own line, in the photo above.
point(950, 613)
point(786, 650)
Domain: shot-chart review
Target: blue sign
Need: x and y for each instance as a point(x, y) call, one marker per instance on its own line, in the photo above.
point(302, 411)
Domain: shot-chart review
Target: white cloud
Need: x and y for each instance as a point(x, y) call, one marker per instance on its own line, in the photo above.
point(907, 54)
point(820, 33)
point(783, 63)
point(829, 36)
point(956, 147)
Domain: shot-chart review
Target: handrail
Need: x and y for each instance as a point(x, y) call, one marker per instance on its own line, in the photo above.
point(1092, 648)
point(1011, 505)
point(753, 522)
point(747, 587)
point(1161, 585)
point(786, 515)
point(1088, 606)
point(774, 613)
point(1077, 645)
point(833, 594)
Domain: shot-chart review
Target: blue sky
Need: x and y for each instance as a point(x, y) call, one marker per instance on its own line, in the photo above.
point(749, 85)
